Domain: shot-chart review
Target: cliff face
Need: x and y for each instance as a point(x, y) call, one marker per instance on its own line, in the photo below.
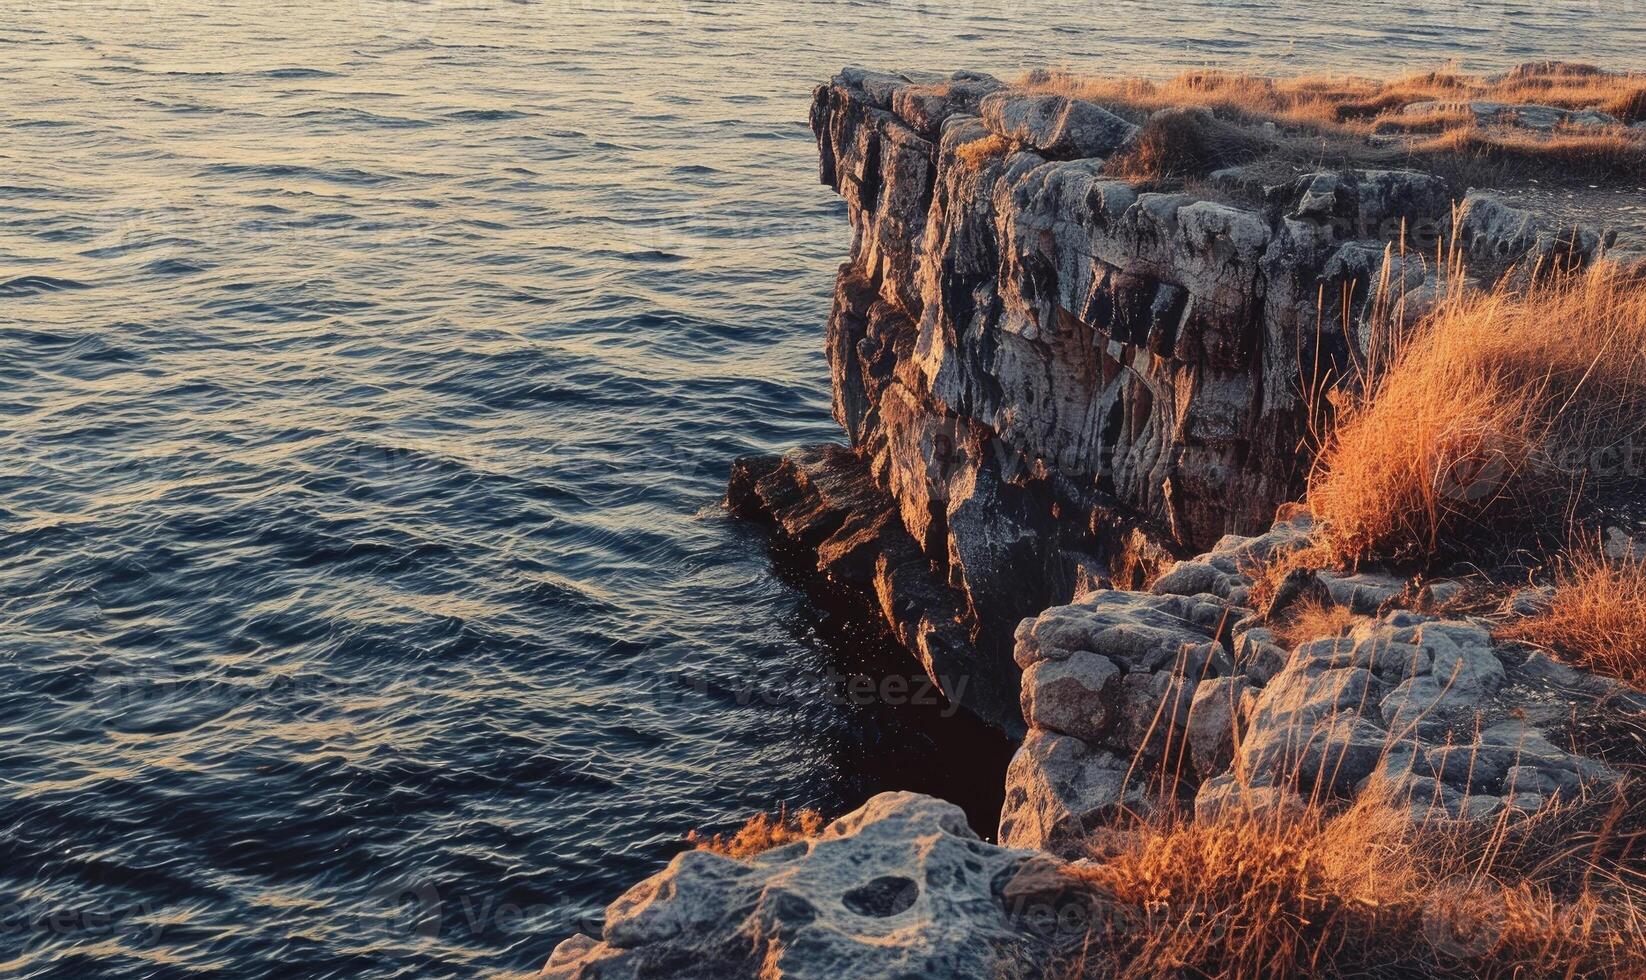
point(1051, 381)
point(1051, 378)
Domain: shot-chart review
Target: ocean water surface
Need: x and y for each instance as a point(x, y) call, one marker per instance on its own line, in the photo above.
point(369, 373)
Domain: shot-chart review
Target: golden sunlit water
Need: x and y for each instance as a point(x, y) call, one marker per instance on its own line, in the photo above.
point(369, 373)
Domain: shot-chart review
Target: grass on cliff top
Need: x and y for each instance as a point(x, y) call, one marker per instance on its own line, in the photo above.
point(1352, 100)
point(1501, 419)
point(1365, 892)
point(1331, 121)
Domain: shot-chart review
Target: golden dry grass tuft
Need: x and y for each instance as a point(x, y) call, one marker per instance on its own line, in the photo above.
point(1361, 891)
point(1628, 106)
point(1597, 616)
point(1312, 618)
point(1327, 121)
point(975, 153)
point(1488, 424)
point(763, 832)
point(1186, 142)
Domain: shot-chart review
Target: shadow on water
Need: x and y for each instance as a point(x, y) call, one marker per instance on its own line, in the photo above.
point(903, 734)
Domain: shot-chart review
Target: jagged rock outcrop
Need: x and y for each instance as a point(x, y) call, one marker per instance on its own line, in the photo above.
point(1051, 381)
point(1124, 690)
point(900, 887)
point(1053, 376)
point(823, 500)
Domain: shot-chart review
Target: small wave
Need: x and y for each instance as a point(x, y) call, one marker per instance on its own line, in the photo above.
point(297, 73)
point(30, 285)
point(45, 193)
point(141, 245)
point(362, 117)
point(344, 175)
point(172, 267)
point(486, 115)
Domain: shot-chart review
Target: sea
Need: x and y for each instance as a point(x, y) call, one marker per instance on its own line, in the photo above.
point(370, 371)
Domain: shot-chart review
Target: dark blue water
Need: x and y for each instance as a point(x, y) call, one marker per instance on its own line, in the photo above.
point(369, 372)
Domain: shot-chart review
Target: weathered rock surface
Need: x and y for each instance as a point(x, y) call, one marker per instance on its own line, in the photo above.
point(900, 887)
point(1052, 382)
point(1432, 710)
point(1053, 376)
point(1056, 126)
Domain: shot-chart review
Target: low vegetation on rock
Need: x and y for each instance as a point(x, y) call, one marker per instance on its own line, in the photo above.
point(1312, 618)
point(1554, 120)
point(1505, 415)
point(1360, 891)
point(1595, 617)
point(761, 833)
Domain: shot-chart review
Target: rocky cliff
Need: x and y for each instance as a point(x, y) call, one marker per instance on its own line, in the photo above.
point(1053, 379)
point(1057, 383)
point(1139, 700)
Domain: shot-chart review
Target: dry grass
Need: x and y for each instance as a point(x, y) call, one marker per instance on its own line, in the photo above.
point(1311, 619)
point(1187, 142)
point(975, 153)
point(1361, 892)
point(1487, 425)
point(1581, 155)
point(1597, 618)
point(1348, 100)
point(1629, 106)
point(1323, 121)
point(762, 833)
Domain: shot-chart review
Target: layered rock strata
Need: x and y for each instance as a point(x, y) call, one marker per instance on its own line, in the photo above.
point(1052, 379)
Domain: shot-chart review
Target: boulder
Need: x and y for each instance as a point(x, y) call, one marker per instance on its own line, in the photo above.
point(1055, 125)
point(900, 887)
point(1059, 789)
